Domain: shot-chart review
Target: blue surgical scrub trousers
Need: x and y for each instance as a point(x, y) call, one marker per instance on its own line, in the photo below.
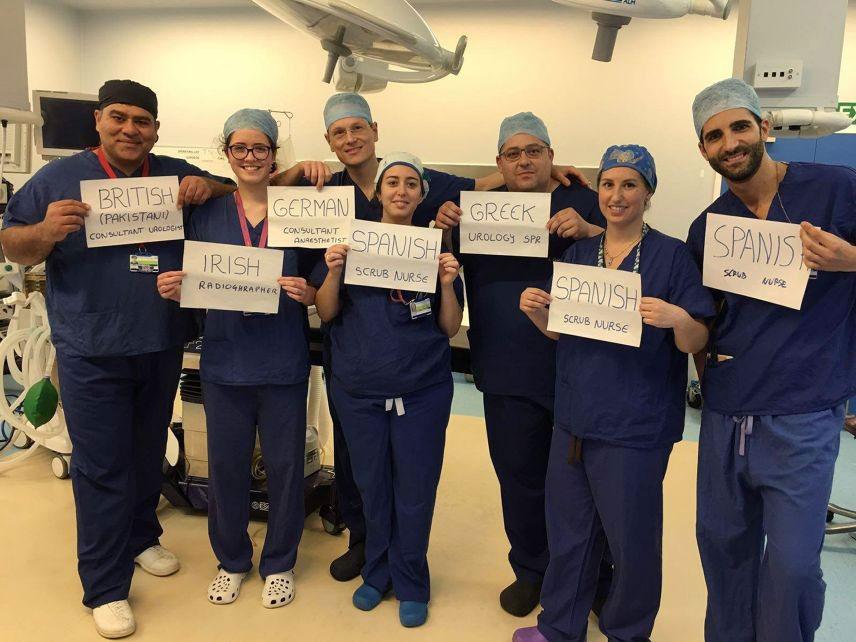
point(233, 414)
point(397, 461)
point(519, 430)
point(348, 496)
point(118, 411)
point(777, 488)
point(612, 494)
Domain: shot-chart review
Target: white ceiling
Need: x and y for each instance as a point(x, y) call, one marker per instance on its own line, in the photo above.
point(112, 5)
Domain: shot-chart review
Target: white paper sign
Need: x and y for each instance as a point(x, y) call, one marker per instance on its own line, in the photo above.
point(596, 303)
point(755, 258)
point(305, 217)
point(132, 210)
point(505, 223)
point(383, 255)
point(231, 277)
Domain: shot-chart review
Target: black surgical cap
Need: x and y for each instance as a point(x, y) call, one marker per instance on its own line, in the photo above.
point(128, 92)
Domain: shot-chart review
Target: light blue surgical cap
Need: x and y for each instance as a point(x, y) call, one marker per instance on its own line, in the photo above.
point(403, 158)
point(632, 156)
point(348, 105)
point(257, 119)
point(731, 93)
point(523, 123)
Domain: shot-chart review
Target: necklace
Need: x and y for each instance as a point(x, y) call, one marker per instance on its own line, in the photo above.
point(610, 258)
point(779, 197)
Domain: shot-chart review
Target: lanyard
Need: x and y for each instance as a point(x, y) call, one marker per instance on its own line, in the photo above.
point(600, 261)
point(245, 230)
point(109, 170)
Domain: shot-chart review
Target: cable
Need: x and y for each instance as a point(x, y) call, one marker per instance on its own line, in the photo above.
point(5, 124)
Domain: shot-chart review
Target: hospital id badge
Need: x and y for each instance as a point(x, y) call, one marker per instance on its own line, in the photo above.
point(419, 309)
point(145, 263)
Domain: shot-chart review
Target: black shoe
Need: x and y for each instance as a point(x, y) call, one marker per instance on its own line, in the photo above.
point(520, 597)
point(349, 565)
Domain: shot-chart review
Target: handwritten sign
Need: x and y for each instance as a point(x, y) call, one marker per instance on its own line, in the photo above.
point(382, 255)
point(596, 303)
point(132, 210)
point(305, 217)
point(755, 258)
point(231, 277)
point(505, 223)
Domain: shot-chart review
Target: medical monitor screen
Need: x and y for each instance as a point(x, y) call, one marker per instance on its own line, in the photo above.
point(69, 124)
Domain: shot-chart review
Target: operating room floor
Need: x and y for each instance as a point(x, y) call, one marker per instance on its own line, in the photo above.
point(40, 593)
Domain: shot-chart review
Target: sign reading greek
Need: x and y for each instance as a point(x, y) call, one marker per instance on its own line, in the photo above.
point(755, 258)
point(132, 210)
point(231, 277)
point(596, 303)
point(382, 255)
point(505, 223)
point(306, 217)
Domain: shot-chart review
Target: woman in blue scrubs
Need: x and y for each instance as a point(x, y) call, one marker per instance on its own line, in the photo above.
point(619, 410)
point(254, 370)
point(392, 389)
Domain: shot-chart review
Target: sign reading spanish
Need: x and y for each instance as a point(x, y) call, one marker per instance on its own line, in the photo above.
point(307, 217)
point(382, 255)
point(131, 210)
point(231, 277)
point(755, 258)
point(596, 303)
point(505, 223)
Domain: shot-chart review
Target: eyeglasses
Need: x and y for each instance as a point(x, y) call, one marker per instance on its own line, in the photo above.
point(239, 152)
point(354, 130)
point(532, 151)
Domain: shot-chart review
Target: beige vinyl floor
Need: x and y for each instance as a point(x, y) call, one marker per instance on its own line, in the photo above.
point(40, 592)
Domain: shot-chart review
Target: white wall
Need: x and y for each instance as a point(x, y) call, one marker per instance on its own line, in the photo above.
point(54, 35)
point(206, 63)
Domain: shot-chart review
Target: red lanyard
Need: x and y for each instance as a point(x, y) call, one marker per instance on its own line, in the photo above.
point(245, 230)
point(109, 170)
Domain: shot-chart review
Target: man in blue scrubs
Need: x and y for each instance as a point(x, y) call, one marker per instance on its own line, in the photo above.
point(119, 345)
point(513, 363)
point(775, 382)
point(351, 134)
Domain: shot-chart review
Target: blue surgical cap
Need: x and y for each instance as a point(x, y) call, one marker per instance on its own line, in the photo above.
point(346, 105)
point(257, 119)
point(731, 93)
point(403, 158)
point(523, 123)
point(632, 156)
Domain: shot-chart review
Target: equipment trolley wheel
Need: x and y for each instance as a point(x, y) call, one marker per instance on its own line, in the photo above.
point(59, 466)
point(331, 520)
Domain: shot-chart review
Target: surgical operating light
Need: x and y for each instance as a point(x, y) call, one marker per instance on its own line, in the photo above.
point(373, 41)
point(611, 15)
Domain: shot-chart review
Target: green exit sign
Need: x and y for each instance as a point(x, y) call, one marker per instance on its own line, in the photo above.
point(849, 109)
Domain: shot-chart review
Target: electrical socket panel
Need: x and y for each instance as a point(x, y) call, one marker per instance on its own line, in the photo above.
point(778, 74)
point(4, 193)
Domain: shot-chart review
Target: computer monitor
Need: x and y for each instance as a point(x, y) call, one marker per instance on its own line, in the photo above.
point(69, 123)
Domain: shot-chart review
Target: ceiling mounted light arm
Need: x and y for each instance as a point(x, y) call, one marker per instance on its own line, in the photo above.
point(367, 37)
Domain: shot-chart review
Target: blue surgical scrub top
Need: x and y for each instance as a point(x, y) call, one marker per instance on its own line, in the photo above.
point(253, 349)
point(788, 361)
point(509, 355)
point(96, 305)
point(442, 187)
point(380, 351)
point(626, 396)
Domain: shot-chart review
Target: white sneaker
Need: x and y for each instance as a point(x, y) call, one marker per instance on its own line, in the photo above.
point(114, 619)
point(278, 590)
point(158, 561)
point(225, 587)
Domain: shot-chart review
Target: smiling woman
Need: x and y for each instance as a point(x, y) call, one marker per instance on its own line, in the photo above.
point(254, 373)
